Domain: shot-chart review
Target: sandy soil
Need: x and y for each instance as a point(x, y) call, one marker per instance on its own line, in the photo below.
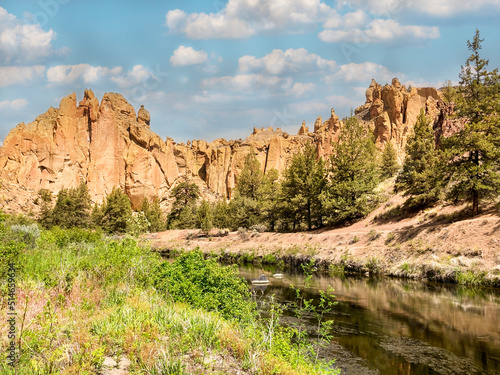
point(437, 243)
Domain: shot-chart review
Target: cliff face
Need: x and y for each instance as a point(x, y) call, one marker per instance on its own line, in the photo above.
point(391, 111)
point(107, 144)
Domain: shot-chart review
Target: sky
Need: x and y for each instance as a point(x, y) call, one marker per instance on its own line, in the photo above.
point(208, 69)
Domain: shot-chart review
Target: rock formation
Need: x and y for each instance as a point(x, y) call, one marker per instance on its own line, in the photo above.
point(390, 111)
point(106, 144)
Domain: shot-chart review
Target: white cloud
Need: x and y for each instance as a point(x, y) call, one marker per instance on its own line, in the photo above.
point(15, 104)
point(437, 8)
point(249, 83)
point(363, 72)
point(379, 30)
point(300, 89)
point(340, 101)
point(289, 61)
point(22, 42)
point(243, 18)
point(12, 75)
point(139, 75)
point(64, 74)
point(184, 56)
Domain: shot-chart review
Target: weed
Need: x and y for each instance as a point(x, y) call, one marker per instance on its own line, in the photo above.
point(389, 238)
point(373, 235)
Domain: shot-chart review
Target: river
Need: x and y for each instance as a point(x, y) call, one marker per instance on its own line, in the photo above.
point(392, 326)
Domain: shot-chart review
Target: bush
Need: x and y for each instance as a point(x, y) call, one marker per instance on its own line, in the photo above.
point(27, 233)
point(205, 284)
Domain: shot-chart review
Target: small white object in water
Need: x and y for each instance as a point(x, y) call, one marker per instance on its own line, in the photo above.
point(261, 280)
point(278, 275)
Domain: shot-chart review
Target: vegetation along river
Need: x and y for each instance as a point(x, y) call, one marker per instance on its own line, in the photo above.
point(393, 326)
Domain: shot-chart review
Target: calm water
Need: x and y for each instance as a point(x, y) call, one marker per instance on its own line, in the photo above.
point(388, 326)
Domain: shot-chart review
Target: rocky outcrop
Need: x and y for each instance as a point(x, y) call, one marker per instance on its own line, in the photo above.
point(390, 111)
point(107, 144)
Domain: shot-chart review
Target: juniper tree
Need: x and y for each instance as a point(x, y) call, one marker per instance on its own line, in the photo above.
point(419, 178)
point(303, 189)
point(389, 164)
point(353, 172)
point(116, 212)
point(473, 153)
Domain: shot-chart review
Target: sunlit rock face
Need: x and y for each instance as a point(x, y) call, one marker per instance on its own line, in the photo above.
point(107, 144)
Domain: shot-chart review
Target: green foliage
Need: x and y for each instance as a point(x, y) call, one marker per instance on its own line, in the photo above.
point(205, 284)
point(450, 93)
point(303, 190)
point(183, 212)
point(353, 173)
point(473, 154)
point(256, 196)
point(72, 208)
point(389, 164)
point(221, 213)
point(419, 178)
point(154, 215)
point(205, 216)
point(115, 214)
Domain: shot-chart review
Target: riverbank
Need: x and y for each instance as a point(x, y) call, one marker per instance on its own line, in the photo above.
point(438, 244)
point(89, 303)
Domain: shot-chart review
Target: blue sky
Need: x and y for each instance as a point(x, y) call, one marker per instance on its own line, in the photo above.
point(215, 69)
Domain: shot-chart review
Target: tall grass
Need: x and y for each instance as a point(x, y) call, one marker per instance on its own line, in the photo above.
point(82, 297)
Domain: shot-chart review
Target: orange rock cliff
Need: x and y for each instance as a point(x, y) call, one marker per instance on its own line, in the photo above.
point(107, 144)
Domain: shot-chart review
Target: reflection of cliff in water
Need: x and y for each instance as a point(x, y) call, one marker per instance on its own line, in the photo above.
point(402, 327)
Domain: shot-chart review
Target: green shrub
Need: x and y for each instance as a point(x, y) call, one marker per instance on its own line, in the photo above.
point(203, 283)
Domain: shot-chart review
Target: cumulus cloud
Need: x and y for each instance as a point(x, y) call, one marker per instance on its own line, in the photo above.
point(379, 30)
point(22, 42)
point(15, 104)
point(300, 89)
point(185, 56)
point(139, 75)
point(244, 18)
point(362, 73)
point(64, 74)
point(286, 62)
point(13, 75)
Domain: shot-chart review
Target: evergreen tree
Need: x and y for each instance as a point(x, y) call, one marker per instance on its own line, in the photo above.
point(389, 165)
point(153, 213)
point(419, 178)
point(183, 211)
point(353, 173)
point(72, 208)
point(116, 212)
point(473, 153)
point(250, 179)
point(269, 192)
point(205, 216)
point(302, 189)
point(222, 214)
point(246, 207)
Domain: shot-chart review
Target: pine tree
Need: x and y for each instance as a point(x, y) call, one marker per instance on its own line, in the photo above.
point(302, 189)
point(389, 165)
point(419, 178)
point(353, 173)
point(221, 214)
point(473, 153)
point(116, 212)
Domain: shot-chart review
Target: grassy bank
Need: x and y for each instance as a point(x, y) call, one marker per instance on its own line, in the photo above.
point(85, 302)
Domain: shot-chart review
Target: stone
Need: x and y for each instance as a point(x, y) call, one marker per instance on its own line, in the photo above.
point(107, 145)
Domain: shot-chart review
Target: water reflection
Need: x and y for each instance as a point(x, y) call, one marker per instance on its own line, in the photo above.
point(389, 326)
